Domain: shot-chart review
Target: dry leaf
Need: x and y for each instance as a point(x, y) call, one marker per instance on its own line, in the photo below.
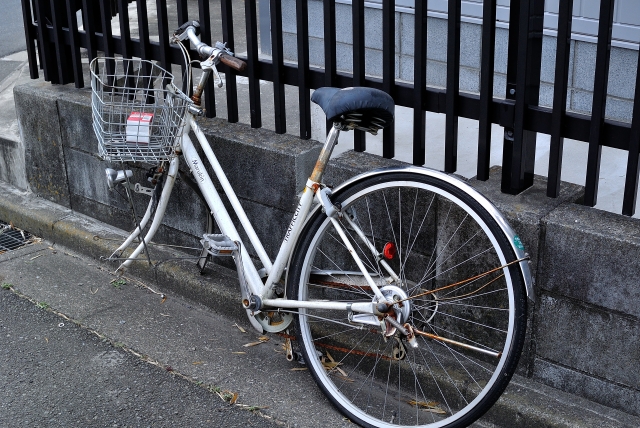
point(239, 352)
point(345, 378)
point(240, 328)
point(196, 363)
point(431, 406)
point(261, 339)
point(234, 398)
point(298, 369)
point(330, 364)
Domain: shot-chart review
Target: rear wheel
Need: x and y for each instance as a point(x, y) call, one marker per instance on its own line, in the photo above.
point(450, 269)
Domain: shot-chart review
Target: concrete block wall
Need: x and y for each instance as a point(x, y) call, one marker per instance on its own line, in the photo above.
point(584, 328)
point(621, 84)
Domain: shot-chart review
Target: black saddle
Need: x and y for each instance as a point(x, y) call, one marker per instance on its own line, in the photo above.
point(367, 109)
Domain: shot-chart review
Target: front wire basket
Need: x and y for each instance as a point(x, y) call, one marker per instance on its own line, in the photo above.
point(138, 112)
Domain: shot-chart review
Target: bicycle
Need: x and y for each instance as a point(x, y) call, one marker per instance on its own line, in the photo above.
point(405, 289)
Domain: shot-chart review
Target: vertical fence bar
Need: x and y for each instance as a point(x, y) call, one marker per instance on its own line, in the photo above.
point(520, 144)
point(600, 81)
point(486, 87)
point(302, 16)
point(419, 83)
point(330, 60)
point(125, 32)
point(88, 11)
point(58, 20)
point(107, 33)
point(633, 167)
point(205, 35)
point(46, 59)
point(278, 67)
point(183, 11)
point(107, 36)
point(30, 38)
point(388, 69)
point(453, 86)
point(125, 39)
point(163, 34)
point(74, 41)
point(357, 13)
point(253, 63)
point(145, 44)
point(183, 16)
point(512, 74)
point(561, 82)
point(230, 74)
point(143, 30)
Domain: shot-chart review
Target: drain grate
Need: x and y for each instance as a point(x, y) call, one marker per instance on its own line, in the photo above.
point(12, 238)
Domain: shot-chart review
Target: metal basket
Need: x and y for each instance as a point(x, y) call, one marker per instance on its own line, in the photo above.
point(138, 112)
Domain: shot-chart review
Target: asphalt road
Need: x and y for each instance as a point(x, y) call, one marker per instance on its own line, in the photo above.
point(56, 374)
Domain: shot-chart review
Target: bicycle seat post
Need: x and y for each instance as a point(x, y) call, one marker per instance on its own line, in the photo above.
point(325, 154)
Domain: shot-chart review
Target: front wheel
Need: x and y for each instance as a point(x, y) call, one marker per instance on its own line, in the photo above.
point(447, 272)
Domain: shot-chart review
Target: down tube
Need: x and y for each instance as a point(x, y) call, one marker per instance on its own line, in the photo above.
point(219, 212)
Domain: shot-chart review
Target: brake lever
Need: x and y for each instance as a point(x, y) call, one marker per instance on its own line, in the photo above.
point(210, 64)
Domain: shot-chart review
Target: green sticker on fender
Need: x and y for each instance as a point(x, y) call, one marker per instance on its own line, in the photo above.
point(518, 243)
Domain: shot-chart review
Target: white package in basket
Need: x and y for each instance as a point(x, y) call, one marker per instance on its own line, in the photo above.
point(139, 127)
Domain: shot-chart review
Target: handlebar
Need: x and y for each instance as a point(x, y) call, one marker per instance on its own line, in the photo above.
point(191, 30)
point(232, 61)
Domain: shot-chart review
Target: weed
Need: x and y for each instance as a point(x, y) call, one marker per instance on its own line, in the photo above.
point(117, 283)
point(6, 286)
point(42, 305)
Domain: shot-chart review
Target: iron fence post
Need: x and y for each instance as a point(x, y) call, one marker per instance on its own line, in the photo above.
point(523, 86)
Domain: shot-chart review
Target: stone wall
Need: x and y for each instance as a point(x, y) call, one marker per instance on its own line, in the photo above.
point(584, 329)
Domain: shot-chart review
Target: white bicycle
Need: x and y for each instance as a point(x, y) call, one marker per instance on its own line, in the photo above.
point(405, 289)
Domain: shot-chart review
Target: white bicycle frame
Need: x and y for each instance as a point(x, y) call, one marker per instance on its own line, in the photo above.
point(251, 283)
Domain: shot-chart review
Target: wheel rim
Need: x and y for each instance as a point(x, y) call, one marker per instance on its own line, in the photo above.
point(421, 364)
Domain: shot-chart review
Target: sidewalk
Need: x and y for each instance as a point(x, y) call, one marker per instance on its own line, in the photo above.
point(205, 343)
point(183, 338)
point(54, 373)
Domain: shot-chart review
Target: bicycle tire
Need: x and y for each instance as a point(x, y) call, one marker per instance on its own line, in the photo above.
point(453, 237)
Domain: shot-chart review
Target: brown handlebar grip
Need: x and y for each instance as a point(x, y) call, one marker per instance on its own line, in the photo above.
point(233, 62)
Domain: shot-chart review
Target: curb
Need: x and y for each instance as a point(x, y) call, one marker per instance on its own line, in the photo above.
point(79, 233)
point(525, 403)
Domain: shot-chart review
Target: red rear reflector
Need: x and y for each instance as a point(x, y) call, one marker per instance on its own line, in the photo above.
point(389, 250)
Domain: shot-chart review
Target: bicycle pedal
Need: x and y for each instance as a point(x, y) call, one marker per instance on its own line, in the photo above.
point(218, 245)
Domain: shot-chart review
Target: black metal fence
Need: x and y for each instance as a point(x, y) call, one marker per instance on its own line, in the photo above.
point(52, 33)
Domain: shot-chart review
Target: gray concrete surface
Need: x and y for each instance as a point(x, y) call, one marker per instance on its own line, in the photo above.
point(193, 340)
point(56, 373)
